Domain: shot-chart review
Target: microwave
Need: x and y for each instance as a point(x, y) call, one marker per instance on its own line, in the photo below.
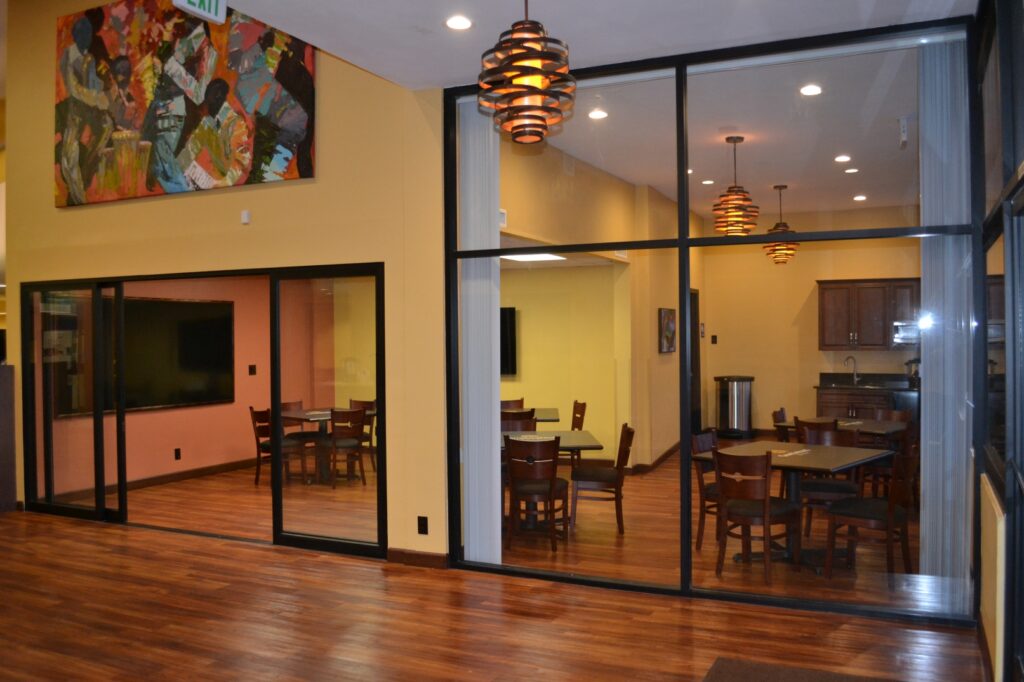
point(906, 333)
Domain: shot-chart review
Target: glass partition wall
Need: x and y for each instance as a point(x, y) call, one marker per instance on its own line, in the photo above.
point(862, 314)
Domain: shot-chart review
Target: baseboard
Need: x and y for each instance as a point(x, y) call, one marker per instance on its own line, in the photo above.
point(19, 506)
point(640, 469)
point(163, 479)
point(423, 559)
point(986, 653)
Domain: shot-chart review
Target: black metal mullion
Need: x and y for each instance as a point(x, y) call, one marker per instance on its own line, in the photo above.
point(380, 425)
point(28, 393)
point(98, 384)
point(120, 400)
point(275, 408)
point(685, 376)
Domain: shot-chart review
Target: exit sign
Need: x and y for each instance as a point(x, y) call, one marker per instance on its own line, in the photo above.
point(211, 10)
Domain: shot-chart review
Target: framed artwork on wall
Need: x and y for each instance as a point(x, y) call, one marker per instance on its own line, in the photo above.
point(153, 101)
point(666, 330)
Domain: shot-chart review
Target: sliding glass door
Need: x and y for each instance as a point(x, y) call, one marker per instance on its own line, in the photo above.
point(74, 433)
point(328, 412)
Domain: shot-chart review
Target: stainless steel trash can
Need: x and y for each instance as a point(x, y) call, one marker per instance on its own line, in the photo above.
point(734, 406)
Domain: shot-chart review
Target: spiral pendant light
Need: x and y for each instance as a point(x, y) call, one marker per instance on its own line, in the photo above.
point(736, 214)
point(780, 252)
point(525, 81)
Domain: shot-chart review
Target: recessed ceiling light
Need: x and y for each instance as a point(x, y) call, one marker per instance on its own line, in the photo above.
point(851, 170)
point(458, 23)
point(707, 182)
point(533, 257)
point(860, 197)
point(689, 171)
point(923, 41)
point(810, 90)
point(843, 158)
point(598, 114)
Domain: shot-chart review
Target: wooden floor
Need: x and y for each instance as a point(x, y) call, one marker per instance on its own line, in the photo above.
point(90, 601)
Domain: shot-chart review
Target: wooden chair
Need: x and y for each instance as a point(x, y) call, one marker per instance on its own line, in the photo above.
point(289, 449)
point(802, 428)
point(579, 410)
point(819, 492)
point(533, 479)
point(878, 474)
point(744, 489)
point(604, 481)
point(707, 492)
point(518, 425)
point(345, 435)
point(519, 413)
point(516, 404)
point(295, 429)
point(779, 417)
point(368, 425)
point(889, 516)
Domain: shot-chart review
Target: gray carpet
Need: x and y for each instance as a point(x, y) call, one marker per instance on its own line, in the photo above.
point(734, 670)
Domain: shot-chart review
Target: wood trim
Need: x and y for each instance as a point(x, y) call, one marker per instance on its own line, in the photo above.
point(173, 477)
point(413, 558)
point(19, 506)
point(986, 653)
point(640, 469)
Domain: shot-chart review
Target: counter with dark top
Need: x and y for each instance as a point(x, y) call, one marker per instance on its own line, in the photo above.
point(839, 396)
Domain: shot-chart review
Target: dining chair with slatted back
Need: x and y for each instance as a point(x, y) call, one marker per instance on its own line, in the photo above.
point(515, 404)
point(779, 417)
point(707, 491)
point(533, 480)
point(579, 411)
point(295, 429)
point(803, 428)
point(346, 430)
point(518, 413)
point(602, 482)
point(876, 476)
point(744, 493)
point(518, 425)
point(289, 449)
point(889, 516)
point(370, 420)
point(819, 492)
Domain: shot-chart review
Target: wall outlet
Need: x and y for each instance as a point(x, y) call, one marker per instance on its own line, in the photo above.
point(714, 339)
point(177, 453)
point(421, 524)
point(252, 370)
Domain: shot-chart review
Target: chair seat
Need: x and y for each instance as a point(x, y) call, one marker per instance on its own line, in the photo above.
point(541, 487)
point(343, 443)
point(711, 491)
point(287, 446)
point(303, 436)
point(868, 508)
point(830, 486)
point(755, 508)
point(596, 474)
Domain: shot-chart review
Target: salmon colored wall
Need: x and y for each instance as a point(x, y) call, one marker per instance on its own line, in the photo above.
point(377, 197)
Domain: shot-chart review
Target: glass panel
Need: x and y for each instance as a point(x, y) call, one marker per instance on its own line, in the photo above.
point(848, 154)
point(581, 184)
point(600, 329)
point(329, 367)
point(834, 334)
point(993, 126)
point(64, 355)
point(996, 320)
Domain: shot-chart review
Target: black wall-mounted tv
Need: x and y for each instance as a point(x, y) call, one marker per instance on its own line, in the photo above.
point(508, 341)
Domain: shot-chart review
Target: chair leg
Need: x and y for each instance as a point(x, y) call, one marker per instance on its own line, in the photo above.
point(334, 469)
point(807, 525)
point(575, 498)
point(618, 509)
point(302, 465)
point(796, 550)
point(767, 541)
point(549, 514)
point(259, 464)
point(905, 549)
point(746, 544)
point(565, 515)
point(830, 546)
point(362, 472)
point(513, 511)
point(890, 562)
point(700, 526)
point(851, 547)
point(721, 528)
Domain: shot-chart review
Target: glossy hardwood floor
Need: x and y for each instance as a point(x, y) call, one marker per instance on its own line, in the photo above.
point(90, 601)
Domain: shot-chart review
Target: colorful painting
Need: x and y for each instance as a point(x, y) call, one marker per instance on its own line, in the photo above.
point(666, 330)
point(153, 101)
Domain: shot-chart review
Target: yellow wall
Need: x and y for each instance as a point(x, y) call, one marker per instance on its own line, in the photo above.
point(993, 574)
point(355, 351)
point(377, 197)
point(766, 318)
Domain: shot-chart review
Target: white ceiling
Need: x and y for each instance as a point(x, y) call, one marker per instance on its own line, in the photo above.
point(407, 42)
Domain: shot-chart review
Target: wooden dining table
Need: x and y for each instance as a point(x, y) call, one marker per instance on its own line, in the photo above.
point(321, 416)
point(540, 414)
point(870, 427)
point(796, 459)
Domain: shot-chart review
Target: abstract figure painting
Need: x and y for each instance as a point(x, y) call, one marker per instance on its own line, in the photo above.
point(153, 101)
point(666, 330)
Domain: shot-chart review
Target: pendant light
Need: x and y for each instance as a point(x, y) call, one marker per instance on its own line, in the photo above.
point(736, 213)
point(780, 252)
point(525, 81)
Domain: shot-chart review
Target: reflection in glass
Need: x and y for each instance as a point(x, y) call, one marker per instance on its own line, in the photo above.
point(996, 320)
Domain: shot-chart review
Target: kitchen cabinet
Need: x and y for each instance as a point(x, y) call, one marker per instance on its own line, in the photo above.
point(851, 402)
point(853, 315)
point(858, 314)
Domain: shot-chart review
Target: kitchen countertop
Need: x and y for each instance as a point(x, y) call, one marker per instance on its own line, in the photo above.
point(866, 382)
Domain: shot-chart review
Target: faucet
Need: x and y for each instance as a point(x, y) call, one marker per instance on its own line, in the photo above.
point(846, 363)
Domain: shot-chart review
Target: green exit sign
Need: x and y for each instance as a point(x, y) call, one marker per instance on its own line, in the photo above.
point(211, 10)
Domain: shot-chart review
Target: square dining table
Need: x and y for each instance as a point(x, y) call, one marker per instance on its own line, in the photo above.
point(870, 427)
point(540, 414)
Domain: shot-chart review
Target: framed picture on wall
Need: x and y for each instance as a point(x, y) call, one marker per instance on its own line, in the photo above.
point(666, 330)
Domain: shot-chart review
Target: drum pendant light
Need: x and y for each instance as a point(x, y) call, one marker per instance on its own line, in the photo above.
point(780, 252)
point(736, 215)
point(525, 81)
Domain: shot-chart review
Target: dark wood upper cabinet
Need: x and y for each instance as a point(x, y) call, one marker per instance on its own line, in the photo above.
point(858, 314)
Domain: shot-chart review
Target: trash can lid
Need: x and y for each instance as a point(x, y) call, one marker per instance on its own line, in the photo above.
point(734, 378)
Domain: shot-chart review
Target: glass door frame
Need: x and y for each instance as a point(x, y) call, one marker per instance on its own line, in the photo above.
point(376, 549)
point(99, 511)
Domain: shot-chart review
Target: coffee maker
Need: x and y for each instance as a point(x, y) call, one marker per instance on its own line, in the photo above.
point(913, 372)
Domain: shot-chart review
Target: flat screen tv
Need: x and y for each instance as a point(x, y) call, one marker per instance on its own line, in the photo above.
point(508, 341)
point(176, 353)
